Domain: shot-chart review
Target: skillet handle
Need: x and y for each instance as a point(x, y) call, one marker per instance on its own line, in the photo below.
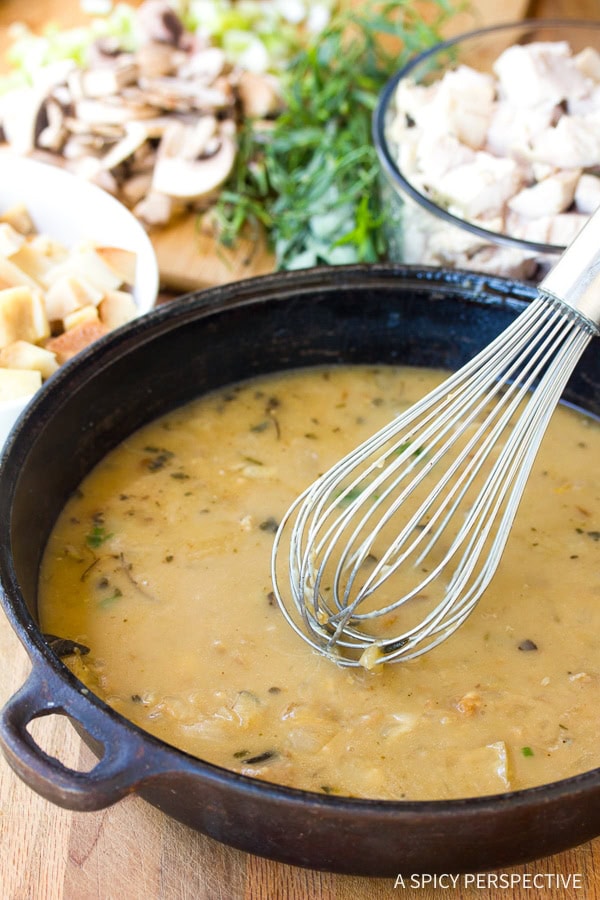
point(123, 763)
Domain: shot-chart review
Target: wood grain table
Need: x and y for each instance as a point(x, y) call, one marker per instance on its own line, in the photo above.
point(132, 851)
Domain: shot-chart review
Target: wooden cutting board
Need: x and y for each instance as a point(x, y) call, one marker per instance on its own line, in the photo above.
point(188, 256)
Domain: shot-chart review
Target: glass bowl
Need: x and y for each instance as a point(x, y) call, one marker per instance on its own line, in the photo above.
point(425, 225)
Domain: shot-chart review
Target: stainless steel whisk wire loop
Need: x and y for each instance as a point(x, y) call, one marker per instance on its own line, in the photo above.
point(511, 387)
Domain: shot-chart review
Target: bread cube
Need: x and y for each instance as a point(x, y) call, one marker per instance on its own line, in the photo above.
point(23, 355)
point(122, 262)
point(68, 293)
point(12, 275)
point(16, 383)
point(71, 342)
point(10, 239)
point(117, 308)
point(22, 316)
point(84, 262)
point(33, 263)
point(18, 216)
point(82, 316)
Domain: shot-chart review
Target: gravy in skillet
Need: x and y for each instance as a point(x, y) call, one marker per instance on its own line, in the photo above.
point(160, 565)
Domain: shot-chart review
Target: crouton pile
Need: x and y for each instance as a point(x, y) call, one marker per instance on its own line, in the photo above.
point(54, 300)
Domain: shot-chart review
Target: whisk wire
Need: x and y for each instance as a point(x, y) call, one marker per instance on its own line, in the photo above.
point(482, 438)
point(482, 426)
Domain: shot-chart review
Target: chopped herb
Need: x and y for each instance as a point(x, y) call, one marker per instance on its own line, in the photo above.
point(136, 698)
point(527, 751)
point(274, 690)
point(89, 568)
point(392, 646)
point(108, 601)
point(97, 536)
point(272, 404)
point(253, 461)
point(160, 457)
point(271, 599)
point(400, 450)
point(349, 497)
point(180, 476)
point(271, 524)
point(241, 754)
point(262, 757)
point(527, 645)
point(312, 181)
point(262, 426)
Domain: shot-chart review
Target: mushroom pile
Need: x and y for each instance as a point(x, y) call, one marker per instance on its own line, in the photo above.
point(155, 126)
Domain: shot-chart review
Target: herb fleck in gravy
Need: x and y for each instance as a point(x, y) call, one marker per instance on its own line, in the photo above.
point(159, 565)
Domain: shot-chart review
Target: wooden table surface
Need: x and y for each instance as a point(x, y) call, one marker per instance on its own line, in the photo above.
point(132, 851)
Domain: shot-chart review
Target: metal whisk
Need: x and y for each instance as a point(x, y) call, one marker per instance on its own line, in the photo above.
point(388, 552)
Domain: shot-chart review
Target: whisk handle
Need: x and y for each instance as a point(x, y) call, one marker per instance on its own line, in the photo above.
point(575, 279)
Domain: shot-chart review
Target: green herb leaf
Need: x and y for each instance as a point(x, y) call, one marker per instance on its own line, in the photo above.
point(97, 536)
point(312, 180)
point(111, 598)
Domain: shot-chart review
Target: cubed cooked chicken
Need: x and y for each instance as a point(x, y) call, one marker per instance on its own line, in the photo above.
point(516, 152)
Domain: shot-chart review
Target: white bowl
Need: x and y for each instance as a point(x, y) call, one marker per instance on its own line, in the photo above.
point(68, 208)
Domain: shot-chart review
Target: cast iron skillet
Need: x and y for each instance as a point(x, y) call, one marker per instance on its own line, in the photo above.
point(346, 314)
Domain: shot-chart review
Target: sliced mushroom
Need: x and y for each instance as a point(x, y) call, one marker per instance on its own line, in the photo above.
point(54, 135)
point(205, 64)
point(185, 175)
point(113, 110)
point(259, 95)
point(82, 145)
point(178, 94)
point(135, 137)
point(158, 21)
point(154, 209)
point(102, 81)
point(154, 126)
point(23, 115)
point(105, 131)
point(135, 188)
point(154, 59)
point(189, 140)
